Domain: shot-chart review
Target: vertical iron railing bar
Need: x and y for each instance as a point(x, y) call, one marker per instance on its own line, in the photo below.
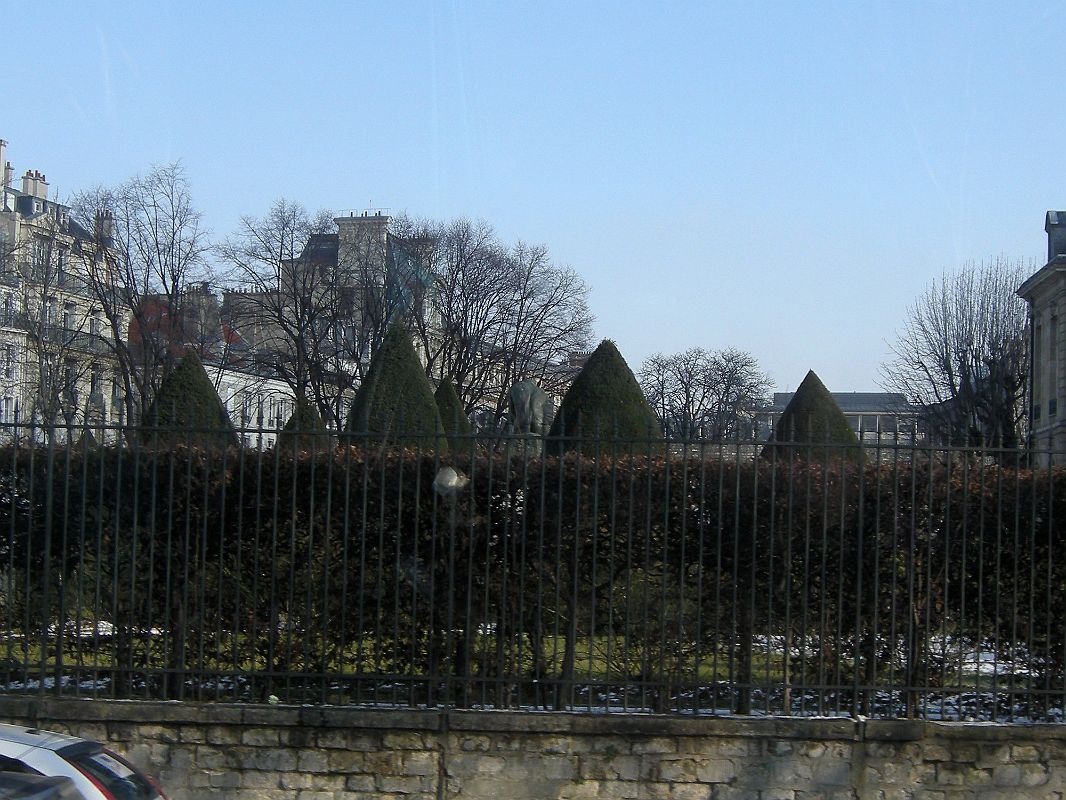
point(321, 447)
point(414, 576)
point(309, 662)
point(254, 600)
point(464, 662)
point(769, 687)
point(122, 628)
point(896, 683)
point(627, 574)
point(700, 509)
point(396, 653)
point(874, 667)
point(953, 456)
point(843, 569)
point(274, 615)
point(181, 659)
point(290, 601)
point(1015, 550)
point(570, 659)
point(523, 573)
point(594, 529)
point(963, 564)
point(360, 627)
point(859, 694)
point(684, 633)
point(804, 679)
point(12, 580)
point(612, 576)
point(913, 654)
point(661, 687)
point(79, 610)
point(481, 622)
point(61, 566)
point(240, 469)
point(379, 564)
point(30, 595)
point(980, 536)
point(1048, 578)
point(346, 535)
point(507, 634)
point(823, 599)
point(1033, 693)
point(202, 569)
point(46, 583)
point(168, 633)
point(646, 680)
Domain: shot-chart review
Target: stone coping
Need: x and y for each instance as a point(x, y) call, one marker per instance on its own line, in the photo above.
point(47, 709)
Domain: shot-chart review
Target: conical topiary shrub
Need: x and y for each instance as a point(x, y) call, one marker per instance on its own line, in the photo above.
point(814, 422)
point(452, 416)
point(187, 410)
point(305, 430)
point(394, 405)
point(604, 401)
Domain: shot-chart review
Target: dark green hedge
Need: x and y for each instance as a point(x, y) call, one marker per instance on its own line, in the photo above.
point(350, 561)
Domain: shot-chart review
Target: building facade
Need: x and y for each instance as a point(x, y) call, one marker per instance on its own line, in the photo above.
point(1045, 292)
point(57, 365)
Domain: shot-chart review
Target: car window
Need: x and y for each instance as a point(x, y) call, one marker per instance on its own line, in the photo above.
point(8, 764)
point(114, 774)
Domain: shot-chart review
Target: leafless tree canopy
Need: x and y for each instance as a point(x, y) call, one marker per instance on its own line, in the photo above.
point(150, 247)
point(287, 303)
point(961, 354)
point(498, 313)
point(704, 394)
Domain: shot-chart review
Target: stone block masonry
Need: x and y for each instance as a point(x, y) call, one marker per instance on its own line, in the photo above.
point(239, 752)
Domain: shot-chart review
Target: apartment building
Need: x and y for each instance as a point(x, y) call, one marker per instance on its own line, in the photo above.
point(56, 352)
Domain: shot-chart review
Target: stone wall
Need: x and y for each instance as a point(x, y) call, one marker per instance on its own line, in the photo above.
point(329, 753)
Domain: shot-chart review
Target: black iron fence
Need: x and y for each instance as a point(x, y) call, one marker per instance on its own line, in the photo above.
point(888, 580)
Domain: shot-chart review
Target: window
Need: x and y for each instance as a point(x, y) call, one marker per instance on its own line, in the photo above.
point(96, 324)
point(10, 358)
point(40, 254)
point(96, 378)
point(48, 311)
point(69, 312)
point(7, 410)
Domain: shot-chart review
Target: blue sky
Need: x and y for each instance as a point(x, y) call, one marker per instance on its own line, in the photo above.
point(779, 177)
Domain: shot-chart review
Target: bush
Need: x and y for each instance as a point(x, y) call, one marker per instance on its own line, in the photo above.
point(305, 430)
point(812, 417)
point(187, 411)
point(394, 405)
point(452, 416)
point(604, 400)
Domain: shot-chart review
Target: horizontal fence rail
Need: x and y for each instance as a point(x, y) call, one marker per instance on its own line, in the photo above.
point(890, 580)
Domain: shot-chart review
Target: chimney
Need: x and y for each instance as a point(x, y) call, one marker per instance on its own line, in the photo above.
point(5, 163)
point(42, 187)
point(1055, 225)
point(105, 227)
point(29, 184)
point(9, 174)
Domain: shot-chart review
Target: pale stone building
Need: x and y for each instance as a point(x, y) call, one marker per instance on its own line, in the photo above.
point(56, 359)
point(1045, 291)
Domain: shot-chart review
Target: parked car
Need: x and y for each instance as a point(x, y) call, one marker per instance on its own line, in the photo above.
point(96, 772)
point(22, 786)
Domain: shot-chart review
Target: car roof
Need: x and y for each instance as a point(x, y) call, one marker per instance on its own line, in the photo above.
point(34, 737)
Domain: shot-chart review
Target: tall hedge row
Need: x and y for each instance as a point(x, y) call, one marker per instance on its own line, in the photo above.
point(351, 562)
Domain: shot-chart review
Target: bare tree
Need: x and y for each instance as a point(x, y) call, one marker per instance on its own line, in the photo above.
point(288, 301)
point(495, 314)
point(961, 355)
point(149, 249)
point(702, 394)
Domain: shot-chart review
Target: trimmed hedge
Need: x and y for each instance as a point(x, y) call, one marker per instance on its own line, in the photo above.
point(394, 405)
point(604, 401)
point(305, 429)
point(187, 410)
point(452, 416)
point(812, 417)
